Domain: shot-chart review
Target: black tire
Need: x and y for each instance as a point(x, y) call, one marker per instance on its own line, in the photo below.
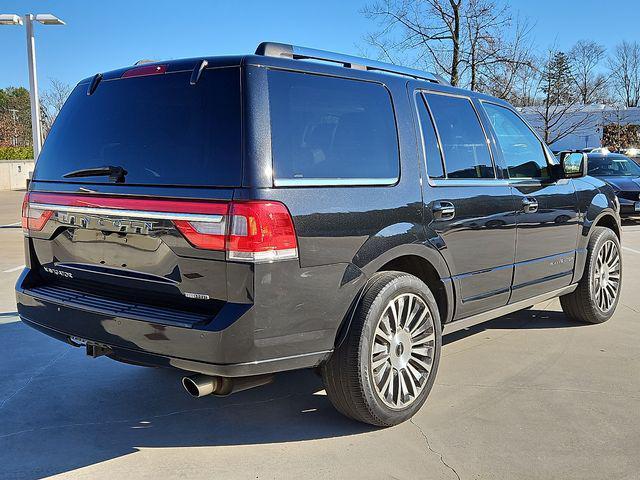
point(349, 374)
point(582, 305)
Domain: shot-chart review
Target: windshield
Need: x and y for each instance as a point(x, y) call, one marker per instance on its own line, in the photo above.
point(613, 167)
point(158, 128)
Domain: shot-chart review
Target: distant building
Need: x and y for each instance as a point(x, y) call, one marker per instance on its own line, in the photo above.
point(590, 134)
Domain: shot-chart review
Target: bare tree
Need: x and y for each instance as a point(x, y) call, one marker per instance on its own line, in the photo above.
point(15, 117)
point(467, 41)
point(585, 57)
point(625, 72)
point(510, 74)
point(51, 102)
point(429, 30)
point(559, 112)
point(483, 21)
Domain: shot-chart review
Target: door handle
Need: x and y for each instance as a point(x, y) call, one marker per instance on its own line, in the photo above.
point(443, 210)
point(530, 205)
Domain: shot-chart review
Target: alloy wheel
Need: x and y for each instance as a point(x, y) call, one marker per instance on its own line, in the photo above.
point(606, 276)
point(403, 350)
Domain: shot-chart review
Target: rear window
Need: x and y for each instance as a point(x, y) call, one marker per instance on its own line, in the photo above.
point(328, 130)
point(159, 128)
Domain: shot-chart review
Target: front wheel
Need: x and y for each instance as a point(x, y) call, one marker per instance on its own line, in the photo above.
point(598, 293)
point(385, 368)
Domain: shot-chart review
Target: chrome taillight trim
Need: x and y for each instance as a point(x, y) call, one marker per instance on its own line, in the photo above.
point(190, 217)
point(267, 256)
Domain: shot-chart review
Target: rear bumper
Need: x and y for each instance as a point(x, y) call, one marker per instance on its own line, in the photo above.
point(233, 344)
point(256, 367)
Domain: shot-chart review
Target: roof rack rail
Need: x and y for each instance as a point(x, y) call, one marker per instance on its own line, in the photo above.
point(273, 49)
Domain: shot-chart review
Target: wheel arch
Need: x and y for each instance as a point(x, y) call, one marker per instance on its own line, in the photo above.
point(422, 261)
point(607, 220)
point(421, 268)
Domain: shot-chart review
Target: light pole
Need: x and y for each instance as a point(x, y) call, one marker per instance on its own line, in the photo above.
point(27, 21)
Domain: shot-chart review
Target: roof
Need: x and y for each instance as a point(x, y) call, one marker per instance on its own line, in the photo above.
point(178, 65)
point(303, 59)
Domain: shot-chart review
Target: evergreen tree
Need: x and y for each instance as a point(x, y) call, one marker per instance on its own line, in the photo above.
point(557, 80)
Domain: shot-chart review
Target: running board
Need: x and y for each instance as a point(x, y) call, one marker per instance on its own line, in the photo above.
point(499, 312)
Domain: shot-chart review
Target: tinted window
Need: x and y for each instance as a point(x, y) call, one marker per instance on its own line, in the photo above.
point(613, 166)
point(330, 128)
point(464, 145)
point(159, 128)
point(431, 147)
point(523, 152)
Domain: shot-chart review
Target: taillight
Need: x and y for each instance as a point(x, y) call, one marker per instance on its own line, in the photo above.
point(33, 218)
point(261, 232)
point(250, 231)
point(207, 235)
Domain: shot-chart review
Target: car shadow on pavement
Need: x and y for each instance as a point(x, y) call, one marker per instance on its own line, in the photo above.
point(61, 411)
point(531, 319)
point(68, 411)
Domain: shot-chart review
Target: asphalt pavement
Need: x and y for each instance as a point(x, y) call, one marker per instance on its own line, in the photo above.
point(526, 396)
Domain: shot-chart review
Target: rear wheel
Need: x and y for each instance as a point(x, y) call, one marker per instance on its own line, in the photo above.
point(385, 368)
point(598, 293)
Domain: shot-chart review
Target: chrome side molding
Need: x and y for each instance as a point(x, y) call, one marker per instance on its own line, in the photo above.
point(499, 312)
point(326, 182)
point(116, 212)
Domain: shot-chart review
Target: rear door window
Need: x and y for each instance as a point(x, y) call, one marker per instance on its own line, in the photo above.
point(327, 130)
point(523, 152)
point(429, 140)
point(159, 128)
point(464, 143)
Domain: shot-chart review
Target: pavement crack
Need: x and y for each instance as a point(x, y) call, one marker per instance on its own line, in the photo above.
point(630, 307)
point(426, 439)
point(37, 373)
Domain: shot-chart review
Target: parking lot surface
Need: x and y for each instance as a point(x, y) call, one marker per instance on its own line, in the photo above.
point(526, 396)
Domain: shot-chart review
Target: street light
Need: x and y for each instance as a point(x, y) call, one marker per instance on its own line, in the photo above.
point(27, 20)
point(10, 20)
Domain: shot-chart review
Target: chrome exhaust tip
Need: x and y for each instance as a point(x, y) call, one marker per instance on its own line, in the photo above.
point(200, 385)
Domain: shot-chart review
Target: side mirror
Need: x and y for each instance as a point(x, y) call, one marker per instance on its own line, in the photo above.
point(574, 164)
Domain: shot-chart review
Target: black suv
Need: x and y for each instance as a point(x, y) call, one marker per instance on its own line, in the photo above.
point(239, 216)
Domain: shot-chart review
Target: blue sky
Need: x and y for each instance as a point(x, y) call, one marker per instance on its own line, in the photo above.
point(102, 35)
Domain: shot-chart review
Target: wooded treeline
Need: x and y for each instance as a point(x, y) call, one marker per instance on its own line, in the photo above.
point(485, 46)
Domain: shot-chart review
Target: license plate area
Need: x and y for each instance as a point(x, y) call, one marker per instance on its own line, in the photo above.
point(94, 349)
point(637, 205)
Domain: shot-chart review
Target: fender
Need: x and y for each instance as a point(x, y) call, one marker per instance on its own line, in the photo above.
point(371, 271)
point(425, 251)
point(601, 206)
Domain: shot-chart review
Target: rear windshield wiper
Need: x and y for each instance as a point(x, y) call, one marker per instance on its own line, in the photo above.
point(116, 174)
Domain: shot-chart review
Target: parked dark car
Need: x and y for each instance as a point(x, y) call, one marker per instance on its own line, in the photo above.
point(623, 174)
point(234, 217)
